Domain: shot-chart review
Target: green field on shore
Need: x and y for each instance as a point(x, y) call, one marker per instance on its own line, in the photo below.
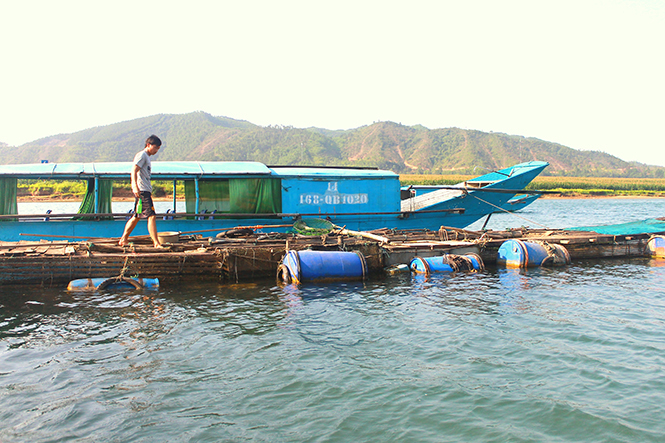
point(563, 186)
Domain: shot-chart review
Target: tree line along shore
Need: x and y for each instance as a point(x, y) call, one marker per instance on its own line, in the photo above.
point(558, 187)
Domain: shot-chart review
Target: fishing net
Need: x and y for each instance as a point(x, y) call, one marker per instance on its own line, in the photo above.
point(651, 225)
point(313, 226)
point(461, 262)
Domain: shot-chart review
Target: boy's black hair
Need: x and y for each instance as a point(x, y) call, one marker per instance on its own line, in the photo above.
point(153, 140)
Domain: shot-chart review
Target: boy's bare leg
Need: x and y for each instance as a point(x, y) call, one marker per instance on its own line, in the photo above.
point(152, 229)
point(129, 227)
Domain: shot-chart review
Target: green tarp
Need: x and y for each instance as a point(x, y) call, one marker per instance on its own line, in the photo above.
point(105, 196)
point(8, 202)
point(236, 196)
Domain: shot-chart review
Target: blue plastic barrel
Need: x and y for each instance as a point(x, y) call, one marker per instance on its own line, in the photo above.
point(523, 254)
point(656, 246)
point(447, 263)
point(113, 284)
point(301, 266)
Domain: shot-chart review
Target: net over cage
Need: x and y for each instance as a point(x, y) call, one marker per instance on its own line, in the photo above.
point(313, 226)
point(651, 225)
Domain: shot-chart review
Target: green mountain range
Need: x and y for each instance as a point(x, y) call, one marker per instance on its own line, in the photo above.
point(386, 145)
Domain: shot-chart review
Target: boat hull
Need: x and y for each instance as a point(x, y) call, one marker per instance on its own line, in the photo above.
point(79, 230)
point(519, 202)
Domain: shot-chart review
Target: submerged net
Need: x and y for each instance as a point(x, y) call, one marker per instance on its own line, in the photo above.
point(313, 226)
point(651, 225)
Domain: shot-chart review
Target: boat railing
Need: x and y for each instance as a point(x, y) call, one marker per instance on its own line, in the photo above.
point(51, 217)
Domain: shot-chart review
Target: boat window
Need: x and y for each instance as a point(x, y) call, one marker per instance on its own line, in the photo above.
point(256, 195)
point(105, 197)
point(235, 195)
point(8, 201)
point(214, 196)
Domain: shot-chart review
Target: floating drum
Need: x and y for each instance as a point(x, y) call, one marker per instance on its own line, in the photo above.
point(522, 254)
point(447, 263)
point(113, 283)
point(301, 266)
point(656, 246)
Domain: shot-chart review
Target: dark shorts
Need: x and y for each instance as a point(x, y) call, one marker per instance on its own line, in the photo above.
point(143, 205)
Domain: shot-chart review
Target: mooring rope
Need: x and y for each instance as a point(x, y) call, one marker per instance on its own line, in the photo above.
point(483, 240)
point(504, 210)
point(124, 268)
point(120, 278)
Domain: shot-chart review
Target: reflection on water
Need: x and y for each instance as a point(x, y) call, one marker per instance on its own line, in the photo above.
point(515, 279)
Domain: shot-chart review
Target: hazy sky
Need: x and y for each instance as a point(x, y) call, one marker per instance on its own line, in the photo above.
point(586, 74)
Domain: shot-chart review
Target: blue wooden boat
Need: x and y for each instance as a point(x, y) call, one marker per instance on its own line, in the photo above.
point(519, 202)
point(221, 195)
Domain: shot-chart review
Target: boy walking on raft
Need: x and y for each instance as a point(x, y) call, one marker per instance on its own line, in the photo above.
point(142, 190)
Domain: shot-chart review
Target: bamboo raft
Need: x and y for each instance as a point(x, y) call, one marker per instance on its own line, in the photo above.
point(253, 255)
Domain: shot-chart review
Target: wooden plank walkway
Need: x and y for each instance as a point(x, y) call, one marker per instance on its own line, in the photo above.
point(258, 255)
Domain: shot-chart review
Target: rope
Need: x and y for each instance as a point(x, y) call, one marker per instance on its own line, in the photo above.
point(124, 268)
point(483, 240)
point(460, 263)
point(120, 278)
point(504, 210)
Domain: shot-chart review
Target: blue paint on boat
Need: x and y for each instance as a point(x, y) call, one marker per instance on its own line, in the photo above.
point(519, 202)
point(359, 199)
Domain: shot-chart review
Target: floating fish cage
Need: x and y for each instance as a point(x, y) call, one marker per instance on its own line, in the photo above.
point(311, 266)
point(523, 254)
point(447, 263)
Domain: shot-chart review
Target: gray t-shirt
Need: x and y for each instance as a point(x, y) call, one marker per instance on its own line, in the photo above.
point(142, 160)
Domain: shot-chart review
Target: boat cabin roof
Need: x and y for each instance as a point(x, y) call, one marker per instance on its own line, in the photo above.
point(181, 170)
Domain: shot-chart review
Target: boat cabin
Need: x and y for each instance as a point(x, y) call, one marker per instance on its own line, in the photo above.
point(222, 187)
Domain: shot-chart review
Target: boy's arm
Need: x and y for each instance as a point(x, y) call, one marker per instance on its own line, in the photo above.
point(135, 180)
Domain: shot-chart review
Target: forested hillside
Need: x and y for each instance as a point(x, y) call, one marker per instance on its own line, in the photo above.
point(403, 149)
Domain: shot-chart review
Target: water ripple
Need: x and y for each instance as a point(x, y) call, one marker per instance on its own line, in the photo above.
point(566, 354)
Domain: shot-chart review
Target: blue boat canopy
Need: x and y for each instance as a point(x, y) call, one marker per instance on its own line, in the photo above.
point(163, 170)
point(314, 172)
point(182, 170)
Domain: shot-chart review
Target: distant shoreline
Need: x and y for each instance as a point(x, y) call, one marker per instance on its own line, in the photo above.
point(584, 197)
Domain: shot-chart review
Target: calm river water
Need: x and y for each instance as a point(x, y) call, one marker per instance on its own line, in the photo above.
point(559, 355)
